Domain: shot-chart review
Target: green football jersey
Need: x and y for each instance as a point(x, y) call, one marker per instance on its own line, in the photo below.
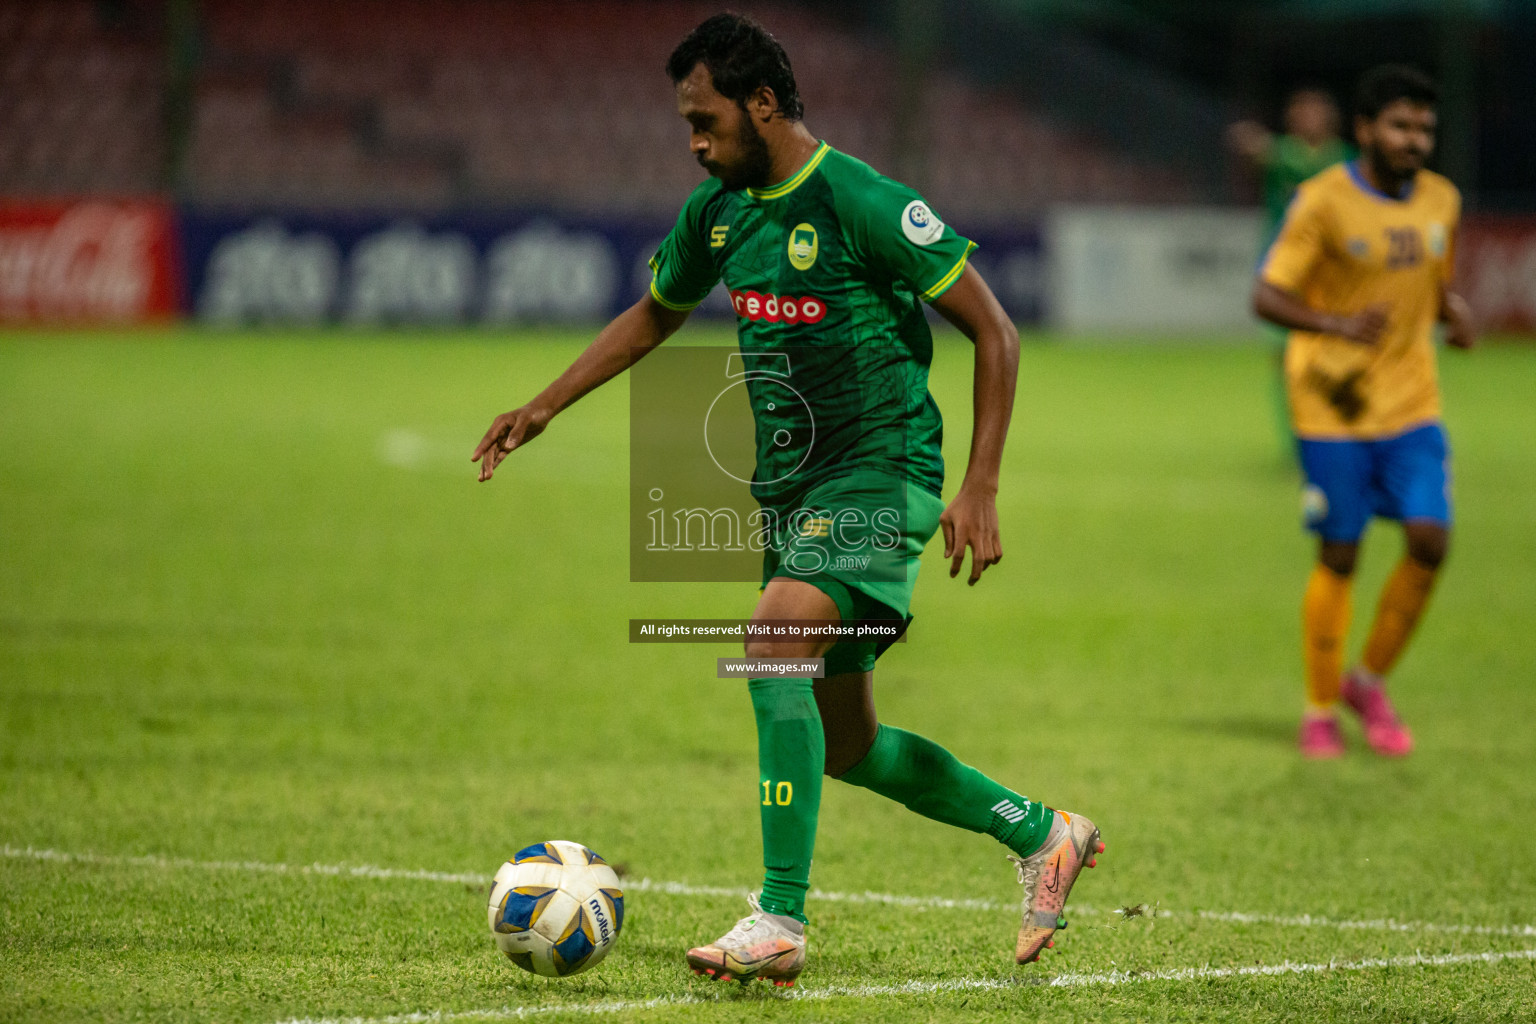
point(827, 273)
point(1292, 161)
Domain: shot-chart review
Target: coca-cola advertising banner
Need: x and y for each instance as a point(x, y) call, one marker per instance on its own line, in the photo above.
point(1496, 269)
point(478, 267)
point(91, 262)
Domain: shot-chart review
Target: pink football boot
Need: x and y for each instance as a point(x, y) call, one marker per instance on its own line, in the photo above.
point(1383, 731)
point(1320, 738)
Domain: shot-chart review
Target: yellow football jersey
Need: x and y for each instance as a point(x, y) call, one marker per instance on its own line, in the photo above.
point(1345, 246)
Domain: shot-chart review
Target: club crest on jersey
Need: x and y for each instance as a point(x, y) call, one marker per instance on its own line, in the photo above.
point(920, 224)
point(803, 247)
point(1359, 248)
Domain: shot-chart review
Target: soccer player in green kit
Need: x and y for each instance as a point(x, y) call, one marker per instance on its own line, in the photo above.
point(1309, 145)
point(827, 259)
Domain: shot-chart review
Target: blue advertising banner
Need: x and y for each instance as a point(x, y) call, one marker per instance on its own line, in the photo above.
point(392, 268)
point(1013, 263)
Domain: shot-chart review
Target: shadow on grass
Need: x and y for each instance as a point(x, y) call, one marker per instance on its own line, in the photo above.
point(1268, 730)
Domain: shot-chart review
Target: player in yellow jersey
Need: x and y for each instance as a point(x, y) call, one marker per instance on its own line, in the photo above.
point(1361, 273)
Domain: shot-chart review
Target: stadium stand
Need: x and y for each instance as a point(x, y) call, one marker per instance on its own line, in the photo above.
point(429, 103)
point(565, 104)
point(81, 102)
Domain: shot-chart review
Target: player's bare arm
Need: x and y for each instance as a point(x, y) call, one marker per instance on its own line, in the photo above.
point(971, 519)
point(1279, 306)
point(1252, 141)
point(1460, 324)
point(616, 348)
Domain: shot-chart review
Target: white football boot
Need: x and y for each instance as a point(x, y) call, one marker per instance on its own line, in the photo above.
point(767, 946)
point(1047, 876)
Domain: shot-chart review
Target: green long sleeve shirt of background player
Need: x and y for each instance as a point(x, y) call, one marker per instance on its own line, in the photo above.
point(1290, 162)
point(828, 272)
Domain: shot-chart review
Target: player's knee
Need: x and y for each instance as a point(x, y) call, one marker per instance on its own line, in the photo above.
point(1338, 556)
point(846, 747)
point(840, 759)
point(1428, 543)
point(769, 649)
point(850, 733)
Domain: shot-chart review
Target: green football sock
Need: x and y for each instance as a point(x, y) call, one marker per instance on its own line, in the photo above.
point(928, 779)
point(791, 753)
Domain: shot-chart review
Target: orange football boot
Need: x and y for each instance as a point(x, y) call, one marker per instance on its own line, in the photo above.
point(1047, 876)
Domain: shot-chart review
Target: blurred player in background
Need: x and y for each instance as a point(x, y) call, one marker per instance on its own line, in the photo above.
point(1360, 274)
point(1309, 145)
point(828, 258)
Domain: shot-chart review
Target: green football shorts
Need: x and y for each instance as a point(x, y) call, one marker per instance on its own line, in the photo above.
point(859, 540)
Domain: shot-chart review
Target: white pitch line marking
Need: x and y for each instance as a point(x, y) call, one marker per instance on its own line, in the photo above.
point(183, 863)
point(370, 871)
point(686, 889)
point(959, 985)
point(1380, 924)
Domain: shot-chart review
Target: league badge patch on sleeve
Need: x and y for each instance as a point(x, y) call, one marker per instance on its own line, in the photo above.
point(920, 224)
point(1436, 238)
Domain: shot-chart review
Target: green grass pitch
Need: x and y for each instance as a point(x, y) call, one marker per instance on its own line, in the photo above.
point(254, 608)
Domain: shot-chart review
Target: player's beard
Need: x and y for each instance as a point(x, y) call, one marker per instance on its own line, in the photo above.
point(755, 165)
point(1394, 175)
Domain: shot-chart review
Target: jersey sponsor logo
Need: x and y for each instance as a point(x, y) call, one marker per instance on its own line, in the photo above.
point(717, 235)
point(920, 224)
point(775, 309)
point(803, 247)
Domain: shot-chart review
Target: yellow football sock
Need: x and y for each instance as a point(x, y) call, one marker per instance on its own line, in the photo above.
point(1402, 601)
point(1324, 626)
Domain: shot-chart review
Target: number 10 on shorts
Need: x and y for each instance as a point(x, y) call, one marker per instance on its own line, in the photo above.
point(780, 794)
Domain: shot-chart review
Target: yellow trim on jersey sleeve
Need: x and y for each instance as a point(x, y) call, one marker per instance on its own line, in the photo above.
point(948, 280)
point(785, 188)
point(656, 294)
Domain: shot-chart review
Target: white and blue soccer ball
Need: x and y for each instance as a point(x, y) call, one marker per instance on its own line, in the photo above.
point(556, 908)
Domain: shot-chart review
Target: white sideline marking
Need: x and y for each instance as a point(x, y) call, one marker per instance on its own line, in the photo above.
point(685, 889)
point(356, 871)
point(1380, 924)
point(370, 871)
point(886, 898)
point(1268, 970)
point(958, 985)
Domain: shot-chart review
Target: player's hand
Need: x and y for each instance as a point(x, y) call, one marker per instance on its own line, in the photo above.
point(970, 521)
point(1365, 326)
point(1250, 140)
point(508, 431)
point(1460, 324)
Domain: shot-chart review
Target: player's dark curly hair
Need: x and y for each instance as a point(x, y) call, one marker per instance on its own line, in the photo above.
point(1389, 83)
point(741, 57)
